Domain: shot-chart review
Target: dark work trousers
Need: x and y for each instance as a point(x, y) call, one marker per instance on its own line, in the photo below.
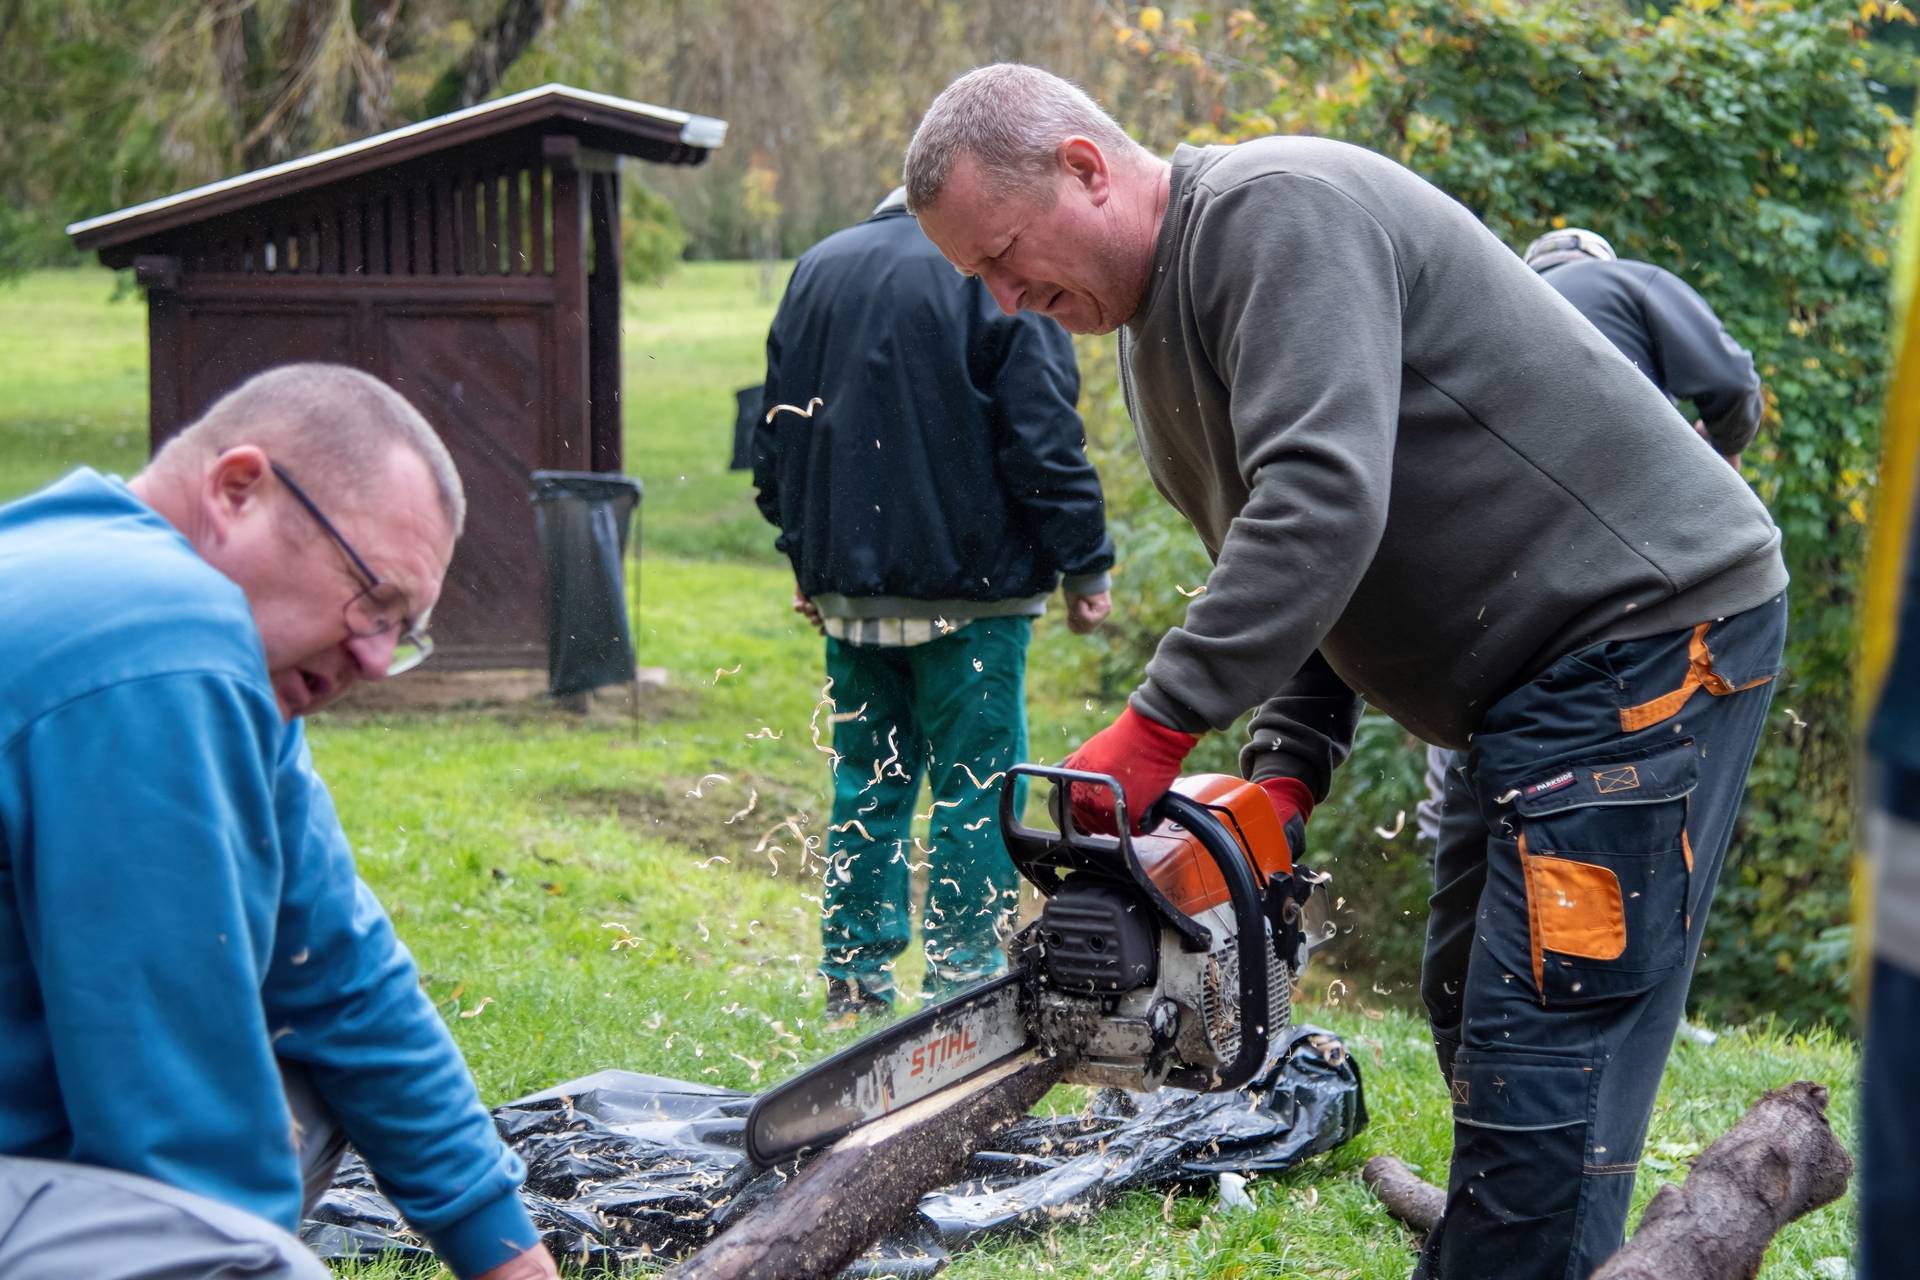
point(1584, 830)
point(1888, 1189)
point(1889, 1185)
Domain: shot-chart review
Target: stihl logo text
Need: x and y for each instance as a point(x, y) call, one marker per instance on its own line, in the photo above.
point(955, 1046)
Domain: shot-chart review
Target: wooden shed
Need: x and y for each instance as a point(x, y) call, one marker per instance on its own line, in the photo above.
point(473, 261)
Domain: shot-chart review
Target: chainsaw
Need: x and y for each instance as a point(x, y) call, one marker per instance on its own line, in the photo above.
point(1160, 958)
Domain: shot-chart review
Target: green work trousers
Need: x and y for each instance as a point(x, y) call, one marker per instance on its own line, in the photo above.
point(954, 710)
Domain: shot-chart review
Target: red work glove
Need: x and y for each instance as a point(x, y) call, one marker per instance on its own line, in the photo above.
point(1142, 754)
point(1293, 803)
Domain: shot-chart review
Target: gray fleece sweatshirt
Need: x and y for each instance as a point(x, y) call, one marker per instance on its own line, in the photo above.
point(1421, 475)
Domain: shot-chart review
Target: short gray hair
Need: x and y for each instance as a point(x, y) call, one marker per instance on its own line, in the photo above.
point(1011, 119)
point(331, 426)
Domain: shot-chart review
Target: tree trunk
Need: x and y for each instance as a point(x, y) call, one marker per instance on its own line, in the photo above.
point(235, 33)
point(1780, 1161)
point(370, 107)
point(478, 73)
point(328, 81)
point(843, 1201)
point(279, 133)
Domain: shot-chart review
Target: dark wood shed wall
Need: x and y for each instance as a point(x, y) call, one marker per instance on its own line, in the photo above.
point(482, 283)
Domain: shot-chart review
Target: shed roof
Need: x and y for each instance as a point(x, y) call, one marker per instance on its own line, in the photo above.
point(599, 120)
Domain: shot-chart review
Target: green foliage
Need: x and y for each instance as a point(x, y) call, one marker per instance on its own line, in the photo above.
point(89, 122)
point(111, 102)
point(651, 237)
point(1739, 145)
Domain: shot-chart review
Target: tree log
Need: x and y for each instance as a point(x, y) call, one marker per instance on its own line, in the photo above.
point(843, 1201)
point(1781, 1160)
point(1403, 1193)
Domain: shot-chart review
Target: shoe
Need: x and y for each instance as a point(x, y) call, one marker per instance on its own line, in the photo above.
point(848, 1003)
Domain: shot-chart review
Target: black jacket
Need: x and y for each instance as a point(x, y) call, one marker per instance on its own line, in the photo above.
point(1672, 336)
point(946, 461)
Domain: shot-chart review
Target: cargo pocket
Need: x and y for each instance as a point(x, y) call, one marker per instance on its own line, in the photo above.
point(1606, 867)
point(1520, 1091)
point(1519, 1144)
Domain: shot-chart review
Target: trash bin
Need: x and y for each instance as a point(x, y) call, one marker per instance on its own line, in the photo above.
point(746, 415)
point(582, 517)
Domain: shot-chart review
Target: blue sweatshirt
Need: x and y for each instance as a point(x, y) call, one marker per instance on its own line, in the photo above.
point(178, 904)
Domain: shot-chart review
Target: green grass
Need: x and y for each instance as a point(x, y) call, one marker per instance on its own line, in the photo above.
point(73, 377)
point(574, 907)
point(689, 346)
point(1318, 1221)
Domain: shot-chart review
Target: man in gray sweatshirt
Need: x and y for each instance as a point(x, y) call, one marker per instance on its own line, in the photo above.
point(1425, 482)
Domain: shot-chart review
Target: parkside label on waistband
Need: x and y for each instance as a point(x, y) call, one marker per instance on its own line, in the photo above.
point(1554, 783)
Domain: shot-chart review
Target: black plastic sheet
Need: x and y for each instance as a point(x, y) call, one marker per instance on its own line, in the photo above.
point(623, 1167)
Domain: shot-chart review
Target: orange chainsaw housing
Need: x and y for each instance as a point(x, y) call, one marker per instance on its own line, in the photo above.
point(1181, 868)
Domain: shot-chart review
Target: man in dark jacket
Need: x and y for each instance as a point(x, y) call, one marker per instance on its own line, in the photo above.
point(1663, 326)
point(922, 458)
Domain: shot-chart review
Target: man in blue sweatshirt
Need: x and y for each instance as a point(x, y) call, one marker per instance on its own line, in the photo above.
point(198, 997)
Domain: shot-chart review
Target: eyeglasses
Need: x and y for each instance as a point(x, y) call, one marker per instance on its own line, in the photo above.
point(380, 608)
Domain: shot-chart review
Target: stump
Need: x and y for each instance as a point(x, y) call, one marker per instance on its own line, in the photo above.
point(1779, 1161)
point(845, 1199)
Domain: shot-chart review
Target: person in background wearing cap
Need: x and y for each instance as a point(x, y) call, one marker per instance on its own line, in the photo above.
point(1664, 327)
point(1672, 336)
point(1426, 482)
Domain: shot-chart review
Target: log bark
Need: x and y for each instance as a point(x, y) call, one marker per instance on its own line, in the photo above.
point(843, 1201)
point(1403, 1193)
point(1780, 1161)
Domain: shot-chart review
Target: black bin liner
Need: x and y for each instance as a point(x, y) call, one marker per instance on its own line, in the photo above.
point(746, 416)
point(623, 1167)
point(582, 517)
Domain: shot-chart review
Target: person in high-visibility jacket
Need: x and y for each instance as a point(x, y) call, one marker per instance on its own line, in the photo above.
point(1889, 1188)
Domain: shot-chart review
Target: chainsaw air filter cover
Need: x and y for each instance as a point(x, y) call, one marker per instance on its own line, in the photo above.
point(1098, 938)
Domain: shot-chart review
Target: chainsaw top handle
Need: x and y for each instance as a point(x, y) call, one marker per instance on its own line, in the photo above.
point(1046, 857)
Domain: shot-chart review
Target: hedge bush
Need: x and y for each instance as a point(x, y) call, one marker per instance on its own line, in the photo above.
point(652, 238)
